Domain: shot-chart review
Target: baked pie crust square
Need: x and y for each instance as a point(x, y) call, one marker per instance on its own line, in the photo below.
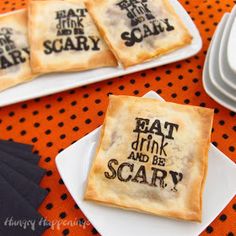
point(152, 157)
point(63, 37)
point(138, 30)
point(14, 50)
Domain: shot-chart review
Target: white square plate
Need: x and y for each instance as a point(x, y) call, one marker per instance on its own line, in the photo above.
point(73, 165)
point(53, 83)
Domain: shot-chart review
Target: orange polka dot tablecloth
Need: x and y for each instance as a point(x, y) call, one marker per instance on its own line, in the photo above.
point(54, 122)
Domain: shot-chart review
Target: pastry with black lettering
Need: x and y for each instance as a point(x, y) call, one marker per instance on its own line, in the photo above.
point(14, 50)
point(63, 37)
point(152, 157)
point(139, 30)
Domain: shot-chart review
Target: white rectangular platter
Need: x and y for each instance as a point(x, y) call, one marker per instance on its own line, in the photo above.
point(53, 83)
point(74, 163)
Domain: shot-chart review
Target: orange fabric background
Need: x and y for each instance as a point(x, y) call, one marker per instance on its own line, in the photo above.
point(52, 123)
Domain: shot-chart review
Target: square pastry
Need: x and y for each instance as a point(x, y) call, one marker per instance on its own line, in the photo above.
point(138, 30)
point(14, 49)
point(152, 157)
point(63, 37)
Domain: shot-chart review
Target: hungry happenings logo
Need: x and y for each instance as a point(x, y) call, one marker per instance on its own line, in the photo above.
point(10, 55)
point(70, 33)
point(142, 21)
point(150, 146)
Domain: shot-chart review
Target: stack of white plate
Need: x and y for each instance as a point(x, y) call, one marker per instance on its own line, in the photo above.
point(219, 74)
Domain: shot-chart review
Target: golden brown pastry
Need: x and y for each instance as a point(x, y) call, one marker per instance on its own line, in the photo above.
point(14, 50)
point(63, 37)
point(152, 157)
point(138, 30)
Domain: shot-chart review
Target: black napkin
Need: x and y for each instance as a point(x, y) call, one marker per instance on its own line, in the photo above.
point(26, 188)
point(14, 208)
point(17, 145)
point(30, 171)
point(21, 153)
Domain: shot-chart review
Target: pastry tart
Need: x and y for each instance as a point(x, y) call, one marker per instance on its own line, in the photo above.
point(138, 30)
point(63, 37)
point(14, 50)
point(152, 157)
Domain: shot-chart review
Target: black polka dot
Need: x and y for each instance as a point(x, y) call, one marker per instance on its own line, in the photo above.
point(147, 85)
point(173, 95)
point(109, 83)
point(62, 136)
point(121, 87)
point(209, 229)
point(158, 78)
point(48, 106)
point(48, 190)
point(81, 221)
point(234, 206)
point(47, 159)
point(143, 74)
point(88, 121)
point(12, 113)
point(234, 128)
point(34, 140)
point(159, 91)
point(60, 124)
point(60, 181)
point(221, 122)
point(136, 92)
point(49, 118)
point(198, 93)
point(35, 113)
point(180, 77)
point(65, 231)
point(100, 113)
point(49, 144)
point(225, 136)
point(202, 104)
point(64, 196)
point(24, 106)
point(223, 217)
point(132, 81)
point(21, 120)
point(170, 84)
point(215, 143)
point(76, 128)
point(232, 148)
point(9, 127)
point(36, 125)
point(23, 132)
point(49, 206)
point(94, 231)
point(85, 109)
point(62, 215)
point(186, 101)
point(73, 117)
point(73, 91)
point(59, 99)
point(49, 173)
point(76, 206)
point(62, 111)
point(230, 234)
point(195, 80)
point(168, 72)
point(184, 88)
point(48, 131)
point(97, 101)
